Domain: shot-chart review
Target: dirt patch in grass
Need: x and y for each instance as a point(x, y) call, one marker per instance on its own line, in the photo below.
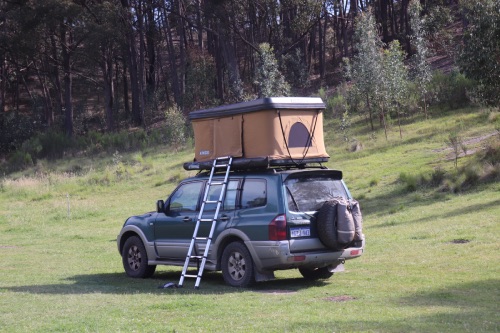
point(460, 241)
point(468, 142)
point(338, 299)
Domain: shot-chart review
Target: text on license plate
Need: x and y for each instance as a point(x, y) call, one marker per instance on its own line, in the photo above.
point(300, 232)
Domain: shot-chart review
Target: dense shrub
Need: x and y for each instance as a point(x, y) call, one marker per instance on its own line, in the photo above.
point(450, 90)
point(19, 160)
point(21, 127)
point(175, 126)
point(296, 71)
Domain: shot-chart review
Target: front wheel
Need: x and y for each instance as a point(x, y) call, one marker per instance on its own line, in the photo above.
point(237, 265)
point(135, 259)
point(316, 273)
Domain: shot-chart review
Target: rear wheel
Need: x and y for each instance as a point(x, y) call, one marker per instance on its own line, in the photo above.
point(135, 259)
point(237, 265)
point(316, 273)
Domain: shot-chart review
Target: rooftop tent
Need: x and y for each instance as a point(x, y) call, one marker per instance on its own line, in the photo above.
point(277, 130)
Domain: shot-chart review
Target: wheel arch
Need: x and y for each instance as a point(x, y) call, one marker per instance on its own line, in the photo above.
point(221, 245)
point(235, 235)
point(131, 231)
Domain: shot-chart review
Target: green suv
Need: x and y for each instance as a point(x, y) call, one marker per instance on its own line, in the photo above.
point(271, 219)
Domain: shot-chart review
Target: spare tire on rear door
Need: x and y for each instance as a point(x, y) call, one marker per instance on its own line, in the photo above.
point(335, 224)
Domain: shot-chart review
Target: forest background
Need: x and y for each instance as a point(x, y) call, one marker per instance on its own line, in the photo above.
point(86, 76)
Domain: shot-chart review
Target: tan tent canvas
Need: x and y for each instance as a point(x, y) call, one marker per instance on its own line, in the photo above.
point(277, 129)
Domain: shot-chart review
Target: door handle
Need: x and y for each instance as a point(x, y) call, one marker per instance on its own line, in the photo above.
point(186, 219)
point(224, 218)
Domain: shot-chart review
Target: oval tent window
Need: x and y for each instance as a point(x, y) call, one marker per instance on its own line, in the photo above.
point(299, 136)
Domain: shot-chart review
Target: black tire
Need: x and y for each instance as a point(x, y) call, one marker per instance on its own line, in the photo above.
point(327, 225)
point(237, 265)
point(316, 273)
point(135, 259)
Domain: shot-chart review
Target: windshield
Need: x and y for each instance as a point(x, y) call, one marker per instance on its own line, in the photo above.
point(309, 193)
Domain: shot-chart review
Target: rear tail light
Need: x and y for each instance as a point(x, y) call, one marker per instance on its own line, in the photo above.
point(277, 228)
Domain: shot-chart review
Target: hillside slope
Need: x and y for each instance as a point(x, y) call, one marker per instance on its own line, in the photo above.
point(431, 263)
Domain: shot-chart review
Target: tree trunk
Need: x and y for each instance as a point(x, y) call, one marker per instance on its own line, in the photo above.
point(353, 8)
point(425, 106)
point(132, 65)
point(405, 22)
point(229, 55)
point(141, 65)
point(134, 83)
point(383, 19)
point(370, 111)
point(198, 23)
point(399, 124)
point(3, 84)
point(343, 23)
point(108, 88)
point(321, 46)
point(382, 118)
point(181, 33)
point(174, 77)
point(66, 43)
point(55, 73)
point(126, 104)
point(151, 38)
point(393, 20)
point(48, 107)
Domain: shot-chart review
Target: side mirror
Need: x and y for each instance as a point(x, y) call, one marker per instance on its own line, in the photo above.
point(160, 206)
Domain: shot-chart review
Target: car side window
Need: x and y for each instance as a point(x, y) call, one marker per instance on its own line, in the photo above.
point(230, 199)
point(254, 193)
point(185, 198)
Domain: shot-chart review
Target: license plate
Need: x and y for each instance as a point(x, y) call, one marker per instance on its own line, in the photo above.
point(300, 232)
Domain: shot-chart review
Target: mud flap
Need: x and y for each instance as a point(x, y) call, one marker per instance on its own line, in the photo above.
point(336, 269)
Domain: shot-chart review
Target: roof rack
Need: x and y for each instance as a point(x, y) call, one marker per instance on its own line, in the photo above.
point(259, 163)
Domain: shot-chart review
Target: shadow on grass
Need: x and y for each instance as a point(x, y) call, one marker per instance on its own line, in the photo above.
point(119, 283)
point(466, 307)
point(389, 209)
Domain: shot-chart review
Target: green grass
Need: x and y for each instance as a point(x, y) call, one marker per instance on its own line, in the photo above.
point(431, 264)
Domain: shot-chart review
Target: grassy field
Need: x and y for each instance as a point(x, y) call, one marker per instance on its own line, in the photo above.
point(431, 264)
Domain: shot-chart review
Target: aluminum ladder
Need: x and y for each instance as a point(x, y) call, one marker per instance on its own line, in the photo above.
point(218, 163)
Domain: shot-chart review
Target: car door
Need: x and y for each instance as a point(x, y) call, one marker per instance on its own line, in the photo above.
point(174, 228)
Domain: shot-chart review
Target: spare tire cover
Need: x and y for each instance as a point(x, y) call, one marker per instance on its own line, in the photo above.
point(335, 224)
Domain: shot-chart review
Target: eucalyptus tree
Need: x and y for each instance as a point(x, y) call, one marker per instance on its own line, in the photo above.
point(395, 83)
point(366, 67)
point(421, 68)
point(103, 47)
point(269, 80)
point(129, 21)
point(480, 52)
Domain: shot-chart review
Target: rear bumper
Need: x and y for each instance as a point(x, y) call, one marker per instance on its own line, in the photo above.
point(276, 255)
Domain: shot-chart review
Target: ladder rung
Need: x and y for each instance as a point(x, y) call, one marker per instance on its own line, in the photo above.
point(212, 201)
point(190, 275)
point(201, 238)
point(206, 220)
point(217, 183)
point(221, 165)
point(196, 257)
